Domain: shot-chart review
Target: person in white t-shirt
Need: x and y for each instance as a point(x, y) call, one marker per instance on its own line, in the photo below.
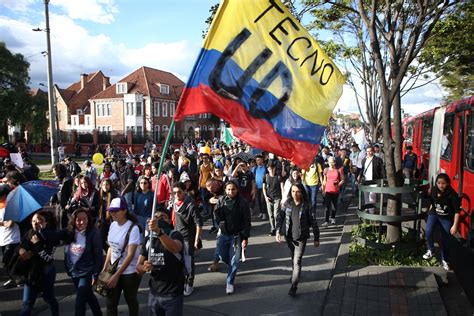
point(9, 233)
point(126, 278)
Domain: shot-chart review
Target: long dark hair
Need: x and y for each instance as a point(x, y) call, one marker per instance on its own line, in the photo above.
point(435, 191)
point(304, 195)
point(90, 222)
point(49, 217)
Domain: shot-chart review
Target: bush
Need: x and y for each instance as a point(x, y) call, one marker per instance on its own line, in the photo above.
point(362, 255)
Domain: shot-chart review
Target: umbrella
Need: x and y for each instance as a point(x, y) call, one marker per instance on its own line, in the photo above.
point(28, 198)
point(4, 153)
point(244, 156)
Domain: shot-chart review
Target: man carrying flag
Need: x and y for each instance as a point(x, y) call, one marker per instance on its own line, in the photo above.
point(263, 73)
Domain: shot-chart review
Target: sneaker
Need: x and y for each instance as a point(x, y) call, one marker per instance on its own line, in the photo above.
point(229, 289)
point(272, 233)
point(332, 221)
point(213, 267)
point(188, 290)
point(445, 265)
point(292, 291)
point(428, 255)
point(213, 230)
point(264, 217)
point(325, 224)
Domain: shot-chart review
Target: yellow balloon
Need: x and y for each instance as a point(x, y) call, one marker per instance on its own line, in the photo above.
point(205, 150)
point(98, 158)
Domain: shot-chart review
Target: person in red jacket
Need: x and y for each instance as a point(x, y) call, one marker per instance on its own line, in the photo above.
point(165, 184)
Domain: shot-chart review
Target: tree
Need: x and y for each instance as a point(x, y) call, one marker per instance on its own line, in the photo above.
point(393, 33)
point(448, 52)
point(15, 98)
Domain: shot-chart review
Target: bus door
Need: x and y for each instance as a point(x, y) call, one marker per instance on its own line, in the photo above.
point(466, 169)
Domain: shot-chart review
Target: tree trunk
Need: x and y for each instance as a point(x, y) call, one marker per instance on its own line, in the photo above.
point(395, 177)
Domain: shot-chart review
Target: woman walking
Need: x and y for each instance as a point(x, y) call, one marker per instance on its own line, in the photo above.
point(83, 259)
point(143, 201)
point(333, 179)
point(444, 212)
point(294, 222)
point(125, 278)
point(37, 254)
point(106, 194)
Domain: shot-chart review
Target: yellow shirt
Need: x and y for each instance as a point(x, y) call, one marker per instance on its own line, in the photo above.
point(205, 173)
point(311, 177)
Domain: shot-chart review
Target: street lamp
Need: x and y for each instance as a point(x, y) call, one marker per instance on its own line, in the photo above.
point(51, 105)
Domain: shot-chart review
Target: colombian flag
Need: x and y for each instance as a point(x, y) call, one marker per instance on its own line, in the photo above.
point(264, 74)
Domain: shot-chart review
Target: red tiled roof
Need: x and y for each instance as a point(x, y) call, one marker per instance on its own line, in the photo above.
point(145, 80)
point(77, 97)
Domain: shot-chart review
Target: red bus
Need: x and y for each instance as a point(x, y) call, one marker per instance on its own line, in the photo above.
point(443, 139)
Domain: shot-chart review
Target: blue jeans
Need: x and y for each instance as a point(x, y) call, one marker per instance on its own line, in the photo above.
point(297, 248)
point(445, 224)
point(84, 295)
point(312, 191)
point(165, 305)
point(129, 198)
point(47, 287)
point(229, 250)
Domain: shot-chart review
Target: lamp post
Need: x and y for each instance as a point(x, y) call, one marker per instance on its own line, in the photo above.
point(51, 105)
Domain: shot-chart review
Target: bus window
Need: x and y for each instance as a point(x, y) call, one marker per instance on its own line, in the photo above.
point(409, 136)
point(427, 130)
point(470, 143)
point(448, 137)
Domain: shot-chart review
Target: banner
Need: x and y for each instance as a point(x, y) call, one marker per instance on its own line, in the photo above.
point(264, 74)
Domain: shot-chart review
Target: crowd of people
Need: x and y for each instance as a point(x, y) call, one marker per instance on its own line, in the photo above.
point(106, 223)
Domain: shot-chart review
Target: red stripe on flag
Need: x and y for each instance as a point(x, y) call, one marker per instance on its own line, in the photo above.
point(258, 133)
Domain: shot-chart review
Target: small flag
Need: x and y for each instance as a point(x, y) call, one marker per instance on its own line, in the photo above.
point(264, 74)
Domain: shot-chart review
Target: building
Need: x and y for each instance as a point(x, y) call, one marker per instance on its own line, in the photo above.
point(72, 103)
point(144, 103)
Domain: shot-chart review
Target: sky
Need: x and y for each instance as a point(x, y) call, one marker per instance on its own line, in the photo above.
point(119, 36)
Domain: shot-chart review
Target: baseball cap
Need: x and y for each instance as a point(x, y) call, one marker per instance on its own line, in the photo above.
point(117, 204)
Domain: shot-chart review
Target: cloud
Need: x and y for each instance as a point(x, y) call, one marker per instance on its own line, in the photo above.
point(99, 11)
point(76, 51)
point(17, 5)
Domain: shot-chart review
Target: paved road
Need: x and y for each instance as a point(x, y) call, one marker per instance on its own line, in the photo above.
point(261, 285)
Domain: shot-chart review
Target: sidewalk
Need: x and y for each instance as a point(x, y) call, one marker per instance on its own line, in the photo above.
point(376, 290)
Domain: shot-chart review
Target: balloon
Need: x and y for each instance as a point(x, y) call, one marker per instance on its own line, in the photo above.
point(205, 150)
point(98, 158)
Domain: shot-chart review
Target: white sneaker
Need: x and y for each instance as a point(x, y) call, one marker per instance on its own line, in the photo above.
point(428, 255)
point(229, 289)
point(332, 221)
point(445, 265)
point(264, 217)
point(188, 290)
point(325, 224)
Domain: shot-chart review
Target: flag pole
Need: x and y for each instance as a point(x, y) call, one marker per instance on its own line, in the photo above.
point(157, 177)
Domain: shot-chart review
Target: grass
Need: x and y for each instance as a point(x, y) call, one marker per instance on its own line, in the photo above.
point(42, 161)
point(48, 175)
point(362, 255)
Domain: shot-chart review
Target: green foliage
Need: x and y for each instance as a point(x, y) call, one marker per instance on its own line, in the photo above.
point(361, 255)
point(448, 52)
point(46, 175)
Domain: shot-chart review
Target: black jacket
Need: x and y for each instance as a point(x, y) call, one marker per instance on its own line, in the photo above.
point(91, 261)
point(187, 218)
point(306, 221)
point(236, 220)
point(378, 169)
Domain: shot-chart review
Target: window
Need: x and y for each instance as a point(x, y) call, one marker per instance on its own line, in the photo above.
point(99, 109)
point(121, 88)
point(156, 108)
point(156, 134)
point(109, 109)
point(139, 108)
point(164, 109)
point(139, 130)
point(470, 142)
point(88, 120)
point(164, 89)
point(129, 108)
point(447, 140)
point(74, 120)
point(172, 109)
point(164, 129)
point(59, 115)
point(427, 130)
point(79, 112)
point(409, 136)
